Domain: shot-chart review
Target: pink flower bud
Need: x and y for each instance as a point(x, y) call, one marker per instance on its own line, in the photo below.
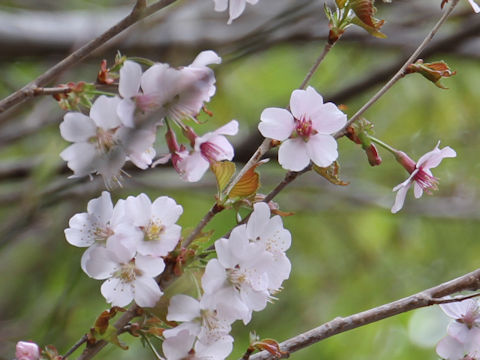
point(27, 351)
point(405, 161)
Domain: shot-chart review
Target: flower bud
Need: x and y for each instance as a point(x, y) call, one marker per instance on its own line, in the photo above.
point(27, 351)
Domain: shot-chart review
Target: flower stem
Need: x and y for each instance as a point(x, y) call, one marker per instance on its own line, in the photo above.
point(328, 46)
point(382, 144)
point(400, 72)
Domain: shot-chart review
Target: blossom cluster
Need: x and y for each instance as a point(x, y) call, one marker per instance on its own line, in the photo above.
point(462, 341)
point(126, 244)
point(250, 268)
point(122, 128)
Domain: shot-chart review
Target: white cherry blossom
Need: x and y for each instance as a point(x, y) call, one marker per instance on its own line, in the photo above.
point(239, 277)
point(306, 130)
point(159, 233)
point(420, 177)
point(235, 7)
point(202, 321)
point(127, 276)
point(271, 235)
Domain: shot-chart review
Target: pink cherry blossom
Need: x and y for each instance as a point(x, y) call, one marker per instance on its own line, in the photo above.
point(466, 314)
point(450, 348)
point(420, 175)
point(26, 350)
point(235, 7)
point(212, 146)
point(173, 93)
point(306, 130)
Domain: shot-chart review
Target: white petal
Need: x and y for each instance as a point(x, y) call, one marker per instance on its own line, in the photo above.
point(81, 158)
point(183, 308)
point(150, 266)
point(217, 350)
point(293, 156)
point(258, 220)
point(417, 190)
point(193, 167)
point(125, 111)
point(214, 276)
point(221, 5)
point(400, 197)
point(147, 292)
point(230, 128)
point(101, 207)
point(322, 149)
point(304, 102)
point(450, 348)
point(276, 124)
point(178, 346)
point(82, 228)
point(206, 58)
point(77, 127)
point(474, 5)
point(130, 76)
point(97, 264)
point(117, 292)
point(167, 210)
point(104, 112)
point(236, 9)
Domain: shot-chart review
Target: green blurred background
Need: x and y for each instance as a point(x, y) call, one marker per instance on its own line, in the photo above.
point(349, 253)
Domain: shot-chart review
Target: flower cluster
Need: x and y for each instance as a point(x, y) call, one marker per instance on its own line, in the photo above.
point(126, 244)
point(305, 131)
point(462, 341)
point(122, 128)
point(249, 269)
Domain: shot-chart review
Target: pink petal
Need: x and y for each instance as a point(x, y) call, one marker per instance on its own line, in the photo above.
point(322, 149)
point(328, 119)
point(450, 348)
point(305, 102)
point(276, 124)
point(230, 128)
point(292, 155)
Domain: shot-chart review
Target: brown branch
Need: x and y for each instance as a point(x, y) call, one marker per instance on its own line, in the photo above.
point(26, 92)
point(470, 281)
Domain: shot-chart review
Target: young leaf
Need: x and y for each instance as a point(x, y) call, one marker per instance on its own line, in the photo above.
point(330, 173)
point(223, 171)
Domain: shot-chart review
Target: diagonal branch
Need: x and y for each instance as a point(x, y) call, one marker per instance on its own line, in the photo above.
point(470, 281)
point(138, 13)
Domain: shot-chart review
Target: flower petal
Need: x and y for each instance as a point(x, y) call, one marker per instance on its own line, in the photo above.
point(183, 308)
point(130, 76)
point(322, 149)
point(104, 112)
point(117, 292)
point(400, 197)
point(292, 155)
point(276, 123)
point(147, 291)
point(77, 127)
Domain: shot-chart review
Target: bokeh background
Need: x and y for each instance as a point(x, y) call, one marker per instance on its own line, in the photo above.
point(349, 253)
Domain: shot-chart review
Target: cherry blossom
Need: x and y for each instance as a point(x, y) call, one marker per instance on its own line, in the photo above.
point(306, 130)
point(450, 348)
point(466, 314)
point(235, 7)
point(159, 233)
point(239, 277)
point(201, 320)
point(100, 144)
point(212, 146)
point(269, 232)
point(127, 276)
point(26, 350)
point(173, 93)
point(420, 175)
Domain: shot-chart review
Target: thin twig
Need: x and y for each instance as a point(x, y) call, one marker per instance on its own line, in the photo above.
point(79, 343)
point(470, 281)
point(206, 219)
point(328, 46)
point(25, 93)
point(400, 73)
point(289, 177)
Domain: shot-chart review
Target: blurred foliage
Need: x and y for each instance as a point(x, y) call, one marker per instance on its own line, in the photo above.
point(349, 253)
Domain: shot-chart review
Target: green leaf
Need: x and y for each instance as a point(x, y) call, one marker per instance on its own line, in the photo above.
point(223, 171)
